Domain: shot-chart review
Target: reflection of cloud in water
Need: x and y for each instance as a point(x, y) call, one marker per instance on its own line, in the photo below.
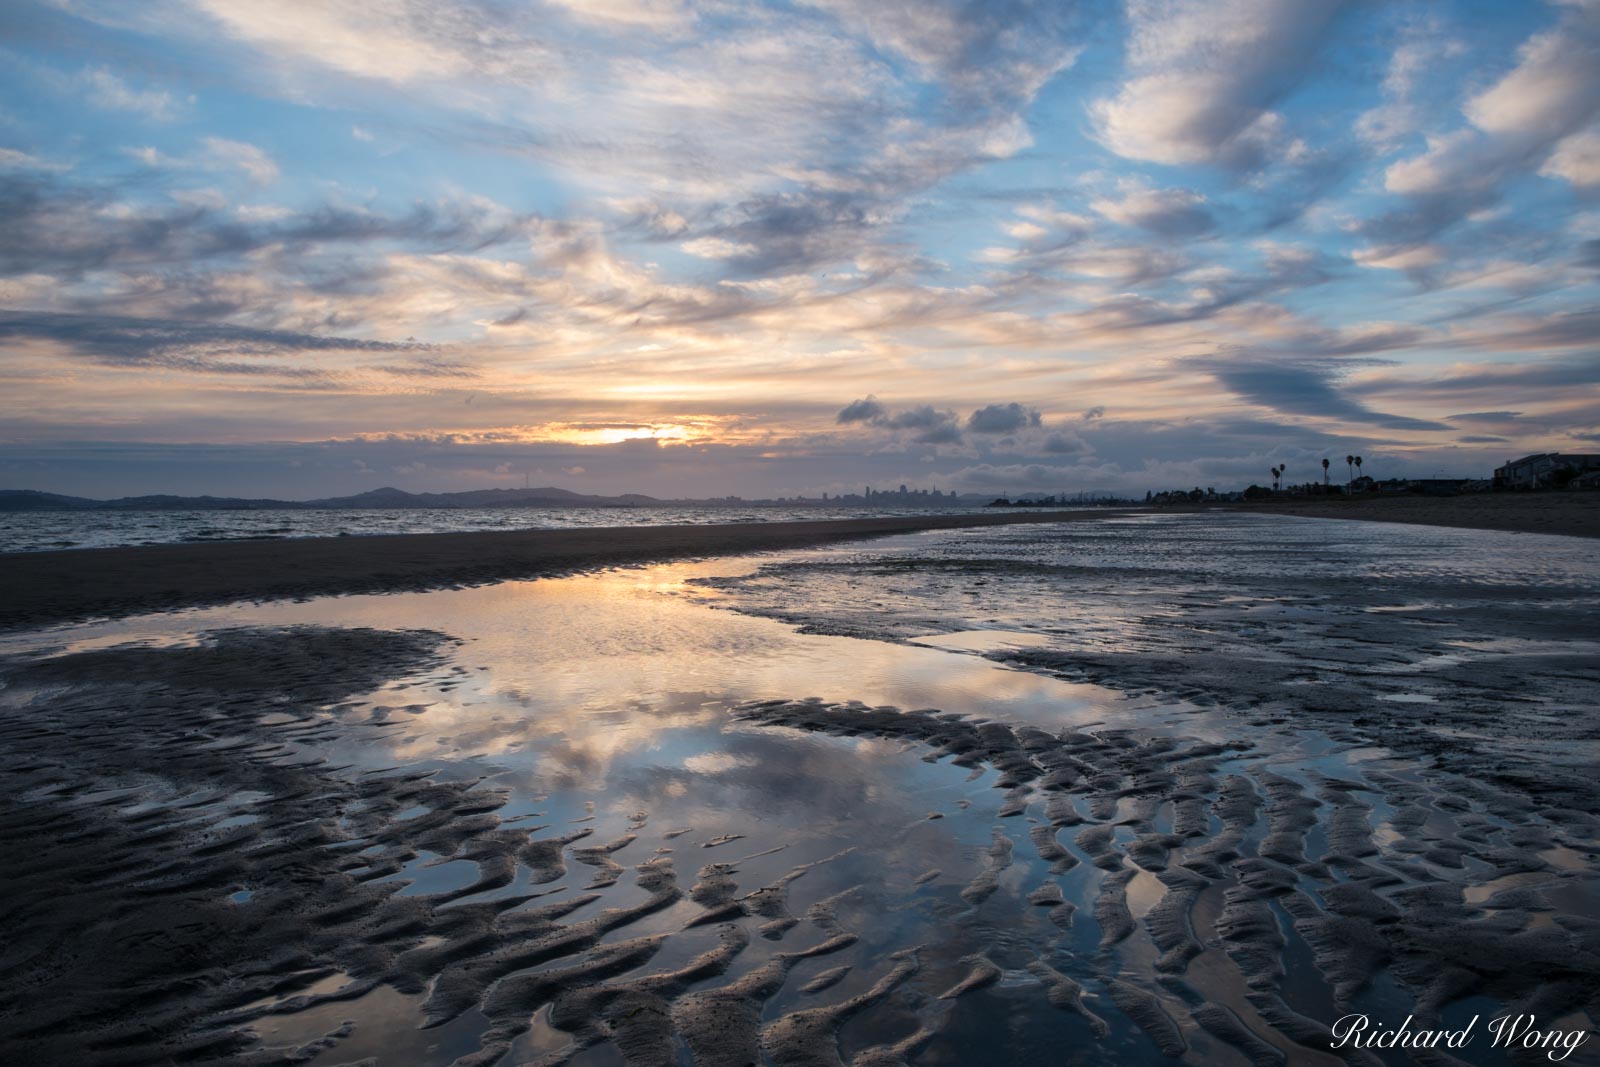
point(558, 679)
point(715, 762)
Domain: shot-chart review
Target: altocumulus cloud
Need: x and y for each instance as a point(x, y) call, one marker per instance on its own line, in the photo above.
point(128, 340)
point(1003, 419)
point(864, 410)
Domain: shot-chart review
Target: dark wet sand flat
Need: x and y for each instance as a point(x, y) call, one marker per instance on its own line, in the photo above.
point(1160, 788)
point(1570, 514)
point(45, 587)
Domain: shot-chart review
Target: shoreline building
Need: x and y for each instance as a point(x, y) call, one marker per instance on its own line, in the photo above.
point(1545, 470)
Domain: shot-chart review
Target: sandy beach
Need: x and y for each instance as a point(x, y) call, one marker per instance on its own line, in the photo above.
point(1572, 514)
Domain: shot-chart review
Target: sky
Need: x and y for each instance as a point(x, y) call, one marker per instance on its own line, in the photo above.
point(704, 248)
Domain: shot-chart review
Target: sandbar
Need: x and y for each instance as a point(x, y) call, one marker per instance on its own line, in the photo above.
point(50, 587)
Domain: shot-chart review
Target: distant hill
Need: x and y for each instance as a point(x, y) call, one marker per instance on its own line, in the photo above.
point(387, 497)
point(544, 497)
point(32, 500)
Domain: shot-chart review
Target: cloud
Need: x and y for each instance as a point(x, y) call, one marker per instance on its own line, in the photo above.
point(866, 410)
point(748, 211)
point(735, 112)
point(1003, 419)
point(1497, 380)
point(216, 154)
point(1536, 117)
point(982, 55)
point(933, 426)
point(942, 426)
point(1576, 159)
point(256, 164)
point(12, 159)
point(717, 248)
point(1571, 329)
point(793, 231)
point(68, 227)
point(398, 43)
point(1165, 212)
point(1410, 258)
point(1065, 443)
point(1016, 477)
point(129, 341)
point(1555, 86)
point(1424, 46)
point(422, 366)
point(724, 123)
point(927, 425)
point(1303, 389)
point(658, 15)
point(109, 91)
point(1204, 76)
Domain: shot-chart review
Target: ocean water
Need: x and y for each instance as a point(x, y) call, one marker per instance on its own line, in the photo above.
point(42, 531)
point(1150, 790)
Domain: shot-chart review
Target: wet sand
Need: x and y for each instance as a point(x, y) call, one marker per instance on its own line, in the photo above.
point(1572, 514)
point(286, 842)
point(593, 820)
point(48, 587)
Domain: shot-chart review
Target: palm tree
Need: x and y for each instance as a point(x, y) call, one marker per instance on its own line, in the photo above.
point(1349, 463)
point(1274, 479)
point(1324, 474)
point(1358, 463)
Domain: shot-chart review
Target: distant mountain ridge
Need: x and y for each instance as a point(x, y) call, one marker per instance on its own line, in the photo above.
point(543, 496)
point(547, 496)
point(387, 497)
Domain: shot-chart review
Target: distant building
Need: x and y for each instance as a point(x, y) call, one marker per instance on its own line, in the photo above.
point(1437, 486)
point(1545, 470)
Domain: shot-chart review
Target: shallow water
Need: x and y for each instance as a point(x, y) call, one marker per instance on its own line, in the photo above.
point(38, 531)
point(616, 703)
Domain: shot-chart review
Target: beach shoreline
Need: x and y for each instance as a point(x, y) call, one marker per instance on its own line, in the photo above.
point(44, 588)
point(1565, 514)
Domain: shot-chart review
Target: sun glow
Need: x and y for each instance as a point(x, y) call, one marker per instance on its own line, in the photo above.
point(611, 435)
